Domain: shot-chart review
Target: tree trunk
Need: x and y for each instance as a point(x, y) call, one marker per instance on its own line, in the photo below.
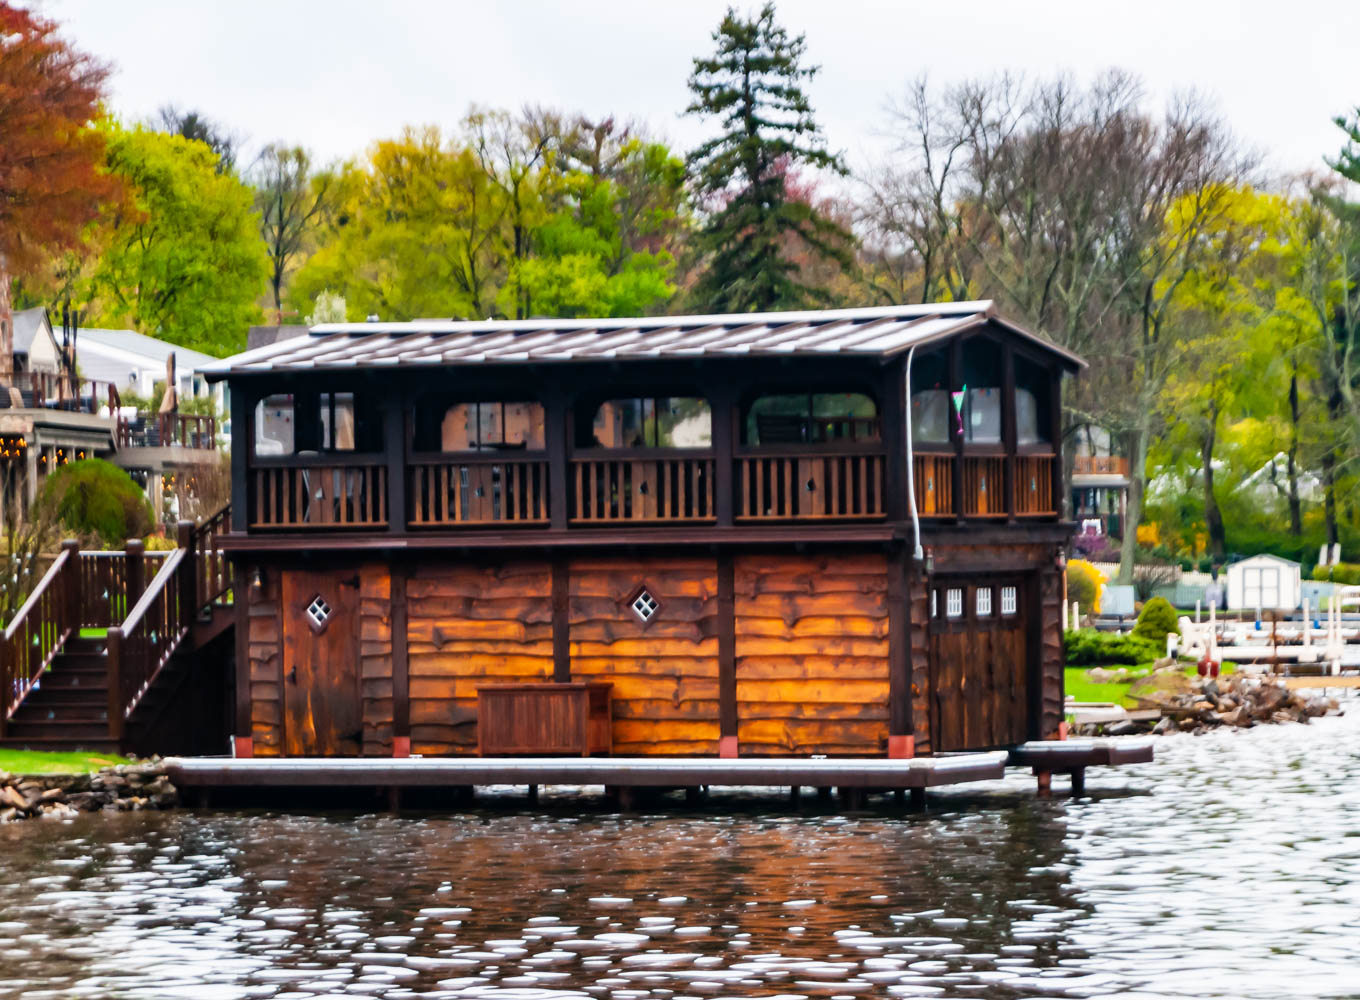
point(1137, 483)
point(6, 327)
point(1295, 507)
point(1329, 497)
point(1213, 519)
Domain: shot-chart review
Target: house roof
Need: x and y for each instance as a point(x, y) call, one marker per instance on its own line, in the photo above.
point(130, 342)
point(27, 323)
point(881, 331)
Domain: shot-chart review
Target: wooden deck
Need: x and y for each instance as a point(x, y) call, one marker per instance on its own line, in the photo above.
point(623, 772)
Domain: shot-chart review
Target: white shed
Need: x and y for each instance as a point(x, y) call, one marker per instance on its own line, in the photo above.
point(1266, 582)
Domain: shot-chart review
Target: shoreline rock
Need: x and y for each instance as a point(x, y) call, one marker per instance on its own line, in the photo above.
point(1198, 705)
point(124, 788)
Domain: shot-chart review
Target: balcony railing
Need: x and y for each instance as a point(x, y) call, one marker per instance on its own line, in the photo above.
point(794, 487)
point(680, 487)
point(478, 491)
point(165, 430)
point(312, 493)
point(673, 489)
point(50, 391)
point(1100, 465)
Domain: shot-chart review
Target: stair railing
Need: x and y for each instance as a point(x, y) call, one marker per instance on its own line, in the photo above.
point(35, 635)
point(212, 568)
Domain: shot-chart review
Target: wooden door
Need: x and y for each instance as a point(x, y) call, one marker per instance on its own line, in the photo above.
point(980, 661)
point(323, 713)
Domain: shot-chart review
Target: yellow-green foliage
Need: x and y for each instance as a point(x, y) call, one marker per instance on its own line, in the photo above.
point(1156, 621)
point(159, 543)
point(1347, 574)
point(1083, 585)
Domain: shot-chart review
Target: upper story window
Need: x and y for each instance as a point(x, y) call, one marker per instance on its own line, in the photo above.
point(930, 399)
point(308, 423)
point(498, 426)
point(812, 418)
point(982, 398)
point(1033, 385)
point(652, 422)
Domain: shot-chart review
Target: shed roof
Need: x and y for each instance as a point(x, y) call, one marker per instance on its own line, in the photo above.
point(1264, 557)
point(881, 331)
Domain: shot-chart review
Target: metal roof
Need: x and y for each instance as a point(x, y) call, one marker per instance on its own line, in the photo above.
point(880, 331)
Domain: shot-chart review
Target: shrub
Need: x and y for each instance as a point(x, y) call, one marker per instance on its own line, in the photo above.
point(97, 501)
point(1156, 621)
point(1088, 647)
point(1083, 584)
point(1347, 574)
point(159, 543)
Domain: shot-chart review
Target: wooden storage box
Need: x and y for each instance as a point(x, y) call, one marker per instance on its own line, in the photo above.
point(571, 718)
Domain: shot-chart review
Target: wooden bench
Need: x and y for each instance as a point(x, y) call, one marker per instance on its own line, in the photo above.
point(537, 719)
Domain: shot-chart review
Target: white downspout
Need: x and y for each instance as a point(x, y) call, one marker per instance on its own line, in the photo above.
point(918, 552)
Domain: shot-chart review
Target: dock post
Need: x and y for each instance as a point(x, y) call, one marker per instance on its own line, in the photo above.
point(823, 793)
point(627, 798)
point(394, 798)
point(899, 795)
point(918, 799)
point(1045, 783)
point(693, 795)
point(795, 795)
point(851, 798)
point(1078, 782)
point(533, 794)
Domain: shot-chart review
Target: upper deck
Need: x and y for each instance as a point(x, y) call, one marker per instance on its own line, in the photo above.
point(433, 433)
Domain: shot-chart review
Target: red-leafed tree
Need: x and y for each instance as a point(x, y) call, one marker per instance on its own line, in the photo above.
point(51, 183)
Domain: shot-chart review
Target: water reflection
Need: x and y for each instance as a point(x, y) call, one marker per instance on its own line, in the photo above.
point(1236, 874)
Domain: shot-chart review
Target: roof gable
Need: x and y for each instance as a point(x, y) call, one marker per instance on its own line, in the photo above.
point(882, 331)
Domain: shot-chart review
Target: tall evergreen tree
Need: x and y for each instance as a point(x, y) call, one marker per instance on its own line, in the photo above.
point(753, 84)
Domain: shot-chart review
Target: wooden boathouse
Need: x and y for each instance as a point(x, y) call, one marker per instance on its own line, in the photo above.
point(677, 535)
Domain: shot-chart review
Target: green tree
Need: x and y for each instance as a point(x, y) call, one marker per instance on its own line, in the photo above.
point(291, 198)
point(753, 83)
point(185, 262)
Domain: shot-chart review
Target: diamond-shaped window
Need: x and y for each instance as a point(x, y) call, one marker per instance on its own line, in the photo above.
point(645, 605)
point(318, 612)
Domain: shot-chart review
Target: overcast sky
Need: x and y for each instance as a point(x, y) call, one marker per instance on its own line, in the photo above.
point(338, 74)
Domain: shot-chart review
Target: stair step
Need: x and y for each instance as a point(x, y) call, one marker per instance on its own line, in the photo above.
point(81, 660)
point(65, 699)
point(84, 647)
point(74, 680)
point(58, 729)
point(101, 746)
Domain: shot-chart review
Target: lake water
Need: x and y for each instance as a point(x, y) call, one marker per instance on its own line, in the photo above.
point(1231, 867)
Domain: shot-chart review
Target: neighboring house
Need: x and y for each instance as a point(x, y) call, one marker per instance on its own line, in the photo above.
point(135, 362)
point(35, 345)
point(1266, 582)
point(1100, 482)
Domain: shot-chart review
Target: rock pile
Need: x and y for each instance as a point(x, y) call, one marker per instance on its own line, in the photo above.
point(1236, 700)
point(58, 796)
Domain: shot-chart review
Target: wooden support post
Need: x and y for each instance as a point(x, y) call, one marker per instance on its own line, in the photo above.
point(823, 793)
point(795, 795)
point(561, 619)
point(188, 577)
point(727, 657)
point(1044, 780)
point(245, 746)
point(627, 798)
point(694, 795)
point(401, 673)
point(899, 795)
point(396, 438)
point(135, 550)
point(533, 794)
point(1008, 428)
point(1079, 782)
point(955, 422)
point(394, 798)
point(724, 449)
point(899, 653)
point(113, 661)
point(69, 586)
point(243, 433)
point(1055, 425)
point(918, 799)
point(557, 435)
point(851, 798)
point(893, 421)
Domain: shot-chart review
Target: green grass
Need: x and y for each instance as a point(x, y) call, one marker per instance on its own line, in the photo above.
point(94, 633)
point(43, 762)
point(1079, 685)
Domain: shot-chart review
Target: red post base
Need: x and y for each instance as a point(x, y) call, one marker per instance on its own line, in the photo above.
point(244, 746)
point(901, 747)
point(727, 746)
point(401, 746)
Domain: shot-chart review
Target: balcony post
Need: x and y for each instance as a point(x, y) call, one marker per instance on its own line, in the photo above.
point(188, 575)
point(395, 442)
point(242, 447)
point(1009, 431)
point(724, 403)
point(1056, 436)
point(893, 415)
point(135, 554)
point(956, 424)
point(556, 429)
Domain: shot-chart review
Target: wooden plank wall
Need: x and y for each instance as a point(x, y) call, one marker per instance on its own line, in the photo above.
point(375, 659)
point(1051, 652)
point(812, 654)
point(665, 671)
point(918, 594)
point(265, 656)
point(472, 624)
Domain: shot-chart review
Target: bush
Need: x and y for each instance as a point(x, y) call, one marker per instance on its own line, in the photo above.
point(1156, 621)
point(1347, 574)
point(98, 502)
point(1088, 647)
point(1083, 585)
point(159, 543)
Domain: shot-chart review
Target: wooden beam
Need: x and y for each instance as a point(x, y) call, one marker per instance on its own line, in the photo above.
point(561, 620)
point(956, 422)
point(243, 434)
point(892, 421)
point(396, 441)
point(727, 648)
point(724, 406)
point(1055, 430)
point(900, 568)
point(241, 609)
point(557, 430)
point(1009, 430)
point(401, 662)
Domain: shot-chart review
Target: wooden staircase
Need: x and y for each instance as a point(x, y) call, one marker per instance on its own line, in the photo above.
point(147, 684)
point(69, 707)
